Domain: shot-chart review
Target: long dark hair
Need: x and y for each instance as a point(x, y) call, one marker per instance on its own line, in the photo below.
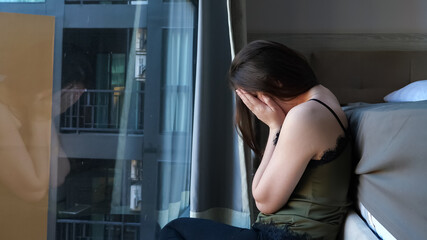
point(271, 68)
point(77, 69)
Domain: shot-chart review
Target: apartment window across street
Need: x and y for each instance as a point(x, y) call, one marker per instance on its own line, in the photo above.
point(121, 115)
point(102, 56)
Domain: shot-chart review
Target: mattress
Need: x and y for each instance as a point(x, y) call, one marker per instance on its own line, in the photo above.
point(390, 151)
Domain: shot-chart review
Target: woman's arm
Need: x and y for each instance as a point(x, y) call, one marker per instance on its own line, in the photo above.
point(24, 156)
point(268, 152)
point(286, 164)
point(269, 112)
point(282, 165)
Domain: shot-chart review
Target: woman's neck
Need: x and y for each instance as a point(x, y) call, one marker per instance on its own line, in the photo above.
point(313, 92)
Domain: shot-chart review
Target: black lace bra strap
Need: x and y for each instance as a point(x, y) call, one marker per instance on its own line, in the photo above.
point(332, 111)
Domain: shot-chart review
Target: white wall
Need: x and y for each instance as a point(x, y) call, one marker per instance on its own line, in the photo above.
point(337, 16)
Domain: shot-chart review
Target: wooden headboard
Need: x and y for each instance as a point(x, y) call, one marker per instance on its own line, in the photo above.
point(360, 67)
point(367, 76)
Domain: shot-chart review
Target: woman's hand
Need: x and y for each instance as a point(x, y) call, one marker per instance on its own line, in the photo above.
point(264, 107)
point(70, 94)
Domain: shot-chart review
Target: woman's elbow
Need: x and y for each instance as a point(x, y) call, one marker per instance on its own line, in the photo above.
point(268, 202)
point(266, 208)
point(262, 203)
point(33, 193)
point(34, 196)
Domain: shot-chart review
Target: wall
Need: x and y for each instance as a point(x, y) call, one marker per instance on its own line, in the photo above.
point(310, 25)
point(337, 16)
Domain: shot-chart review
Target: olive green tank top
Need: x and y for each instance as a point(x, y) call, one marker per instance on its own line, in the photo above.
point(319, 202)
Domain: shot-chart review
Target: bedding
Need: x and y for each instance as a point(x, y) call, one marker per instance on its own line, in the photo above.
point(390, 150)
point(373, 223)
point(416, 91)
point(355, 228)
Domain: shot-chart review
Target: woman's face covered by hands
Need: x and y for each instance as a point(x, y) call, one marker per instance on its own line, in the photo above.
point(266, 108)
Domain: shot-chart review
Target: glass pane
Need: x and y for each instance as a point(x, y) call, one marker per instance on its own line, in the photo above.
point(102, 194)
point(132, 2)
point(22, 1)
point(102, 79)
point(176, 102)
point(118, 114)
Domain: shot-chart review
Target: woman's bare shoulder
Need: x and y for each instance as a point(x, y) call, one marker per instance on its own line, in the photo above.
point(310, 125)
point(305, 113)
point(302, 126)
point(313, 112)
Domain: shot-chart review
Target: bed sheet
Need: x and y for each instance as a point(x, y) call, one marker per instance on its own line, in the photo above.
point(374, 224)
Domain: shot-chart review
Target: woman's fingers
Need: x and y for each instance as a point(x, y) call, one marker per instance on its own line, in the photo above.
point(264, 107)
point(250, 101)
point(270, 102)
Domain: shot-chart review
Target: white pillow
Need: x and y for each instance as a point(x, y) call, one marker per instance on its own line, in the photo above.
point(416, 91)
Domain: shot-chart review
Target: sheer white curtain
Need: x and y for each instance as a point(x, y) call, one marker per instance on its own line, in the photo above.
point(177, 94)
point(236, 10)
point(173, 138)
point(197, 134)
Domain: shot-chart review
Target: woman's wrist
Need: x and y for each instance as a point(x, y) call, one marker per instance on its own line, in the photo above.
point(275, 132)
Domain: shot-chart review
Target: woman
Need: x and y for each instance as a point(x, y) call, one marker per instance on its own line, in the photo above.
point(25, 125)
point(301, 184)
point(25, 140)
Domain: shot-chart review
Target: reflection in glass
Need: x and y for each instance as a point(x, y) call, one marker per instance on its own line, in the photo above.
point(129, 2)
point(176, 113)
point(22, 1)
point(118, 140)
point(25, 125)
point(101, 198)
point(105, 52)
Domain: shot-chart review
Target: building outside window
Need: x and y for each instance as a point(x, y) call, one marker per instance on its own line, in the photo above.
point(122, 123)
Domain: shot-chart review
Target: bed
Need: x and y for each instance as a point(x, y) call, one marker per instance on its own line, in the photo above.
point(390, 140)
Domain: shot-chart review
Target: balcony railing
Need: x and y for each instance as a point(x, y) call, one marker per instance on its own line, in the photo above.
point(89, 229)
point(101, 111)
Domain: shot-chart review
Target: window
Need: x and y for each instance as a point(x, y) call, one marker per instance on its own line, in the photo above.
point(102, 56)
point(122, 121)
point(133, 2)
point(22, 1)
